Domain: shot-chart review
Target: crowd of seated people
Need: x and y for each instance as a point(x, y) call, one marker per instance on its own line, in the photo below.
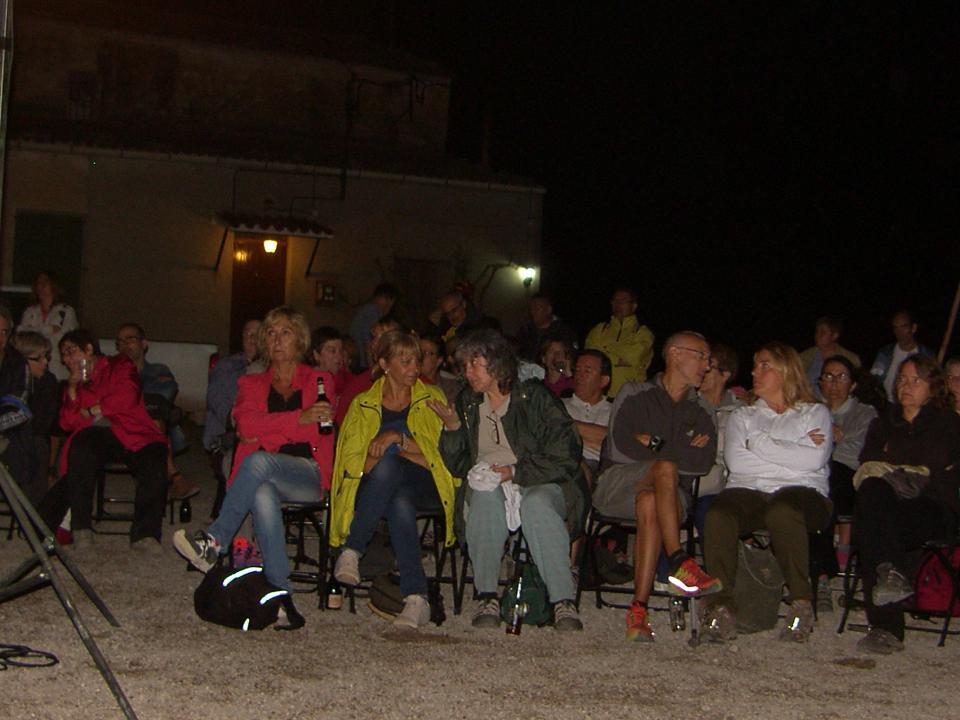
point(503, 433)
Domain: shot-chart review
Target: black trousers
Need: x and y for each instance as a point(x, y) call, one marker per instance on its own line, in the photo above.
point(844, 499)
point(90, 449)
point(890, 529)
point(790, 514)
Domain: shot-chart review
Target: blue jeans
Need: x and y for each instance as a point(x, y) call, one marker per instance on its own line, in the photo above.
point(395, 489)
point(263, 481)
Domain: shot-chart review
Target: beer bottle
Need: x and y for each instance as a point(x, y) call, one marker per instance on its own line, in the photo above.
point(334, 595)
point(515, 621)
point(324, 427)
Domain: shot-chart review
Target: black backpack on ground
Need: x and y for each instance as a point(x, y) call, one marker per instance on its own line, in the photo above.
point(241, 599)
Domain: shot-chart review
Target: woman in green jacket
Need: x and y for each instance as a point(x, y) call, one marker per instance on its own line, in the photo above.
point(388, 466)
point(523, 442)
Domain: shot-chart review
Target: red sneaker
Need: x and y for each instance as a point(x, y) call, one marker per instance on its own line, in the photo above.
point(638, 628)
point(63, 536)
point(689, 580)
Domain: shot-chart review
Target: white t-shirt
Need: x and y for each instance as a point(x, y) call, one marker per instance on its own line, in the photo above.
point(582, 411)
point(898, 357)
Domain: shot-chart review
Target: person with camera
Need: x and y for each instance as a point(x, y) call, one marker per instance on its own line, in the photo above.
point(660, 438)
point(556, 357)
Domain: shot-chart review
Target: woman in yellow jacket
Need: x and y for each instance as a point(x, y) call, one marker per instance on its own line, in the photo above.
point(388, 466)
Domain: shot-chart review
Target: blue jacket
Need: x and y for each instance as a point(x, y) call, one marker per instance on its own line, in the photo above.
point(881, 366)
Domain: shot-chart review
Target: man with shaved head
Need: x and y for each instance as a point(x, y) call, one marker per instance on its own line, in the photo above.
point(660, 438)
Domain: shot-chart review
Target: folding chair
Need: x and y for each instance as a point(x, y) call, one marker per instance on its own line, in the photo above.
point(598, 524)
point(940, 554)
point(102, 499)
point(436, 522)
point(299, 519)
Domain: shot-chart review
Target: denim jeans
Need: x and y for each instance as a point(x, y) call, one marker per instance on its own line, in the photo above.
point(541, 514)
point(395, 489)
point(263, 482)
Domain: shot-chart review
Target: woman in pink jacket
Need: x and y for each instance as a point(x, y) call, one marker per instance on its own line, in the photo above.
point(281, 455)
point(103, 411)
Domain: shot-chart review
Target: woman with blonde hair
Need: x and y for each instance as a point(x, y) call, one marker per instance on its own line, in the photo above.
point(777, 450)
point(280, 454)
point(389, 466)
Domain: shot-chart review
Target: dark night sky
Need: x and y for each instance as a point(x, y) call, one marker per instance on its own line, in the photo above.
point(747, 170)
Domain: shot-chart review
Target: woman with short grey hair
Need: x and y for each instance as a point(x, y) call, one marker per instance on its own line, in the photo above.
point(519, 453)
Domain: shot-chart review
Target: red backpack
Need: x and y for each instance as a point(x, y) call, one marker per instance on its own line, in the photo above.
point(937, 581)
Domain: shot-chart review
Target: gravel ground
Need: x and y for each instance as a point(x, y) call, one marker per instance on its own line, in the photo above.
point(172, 665)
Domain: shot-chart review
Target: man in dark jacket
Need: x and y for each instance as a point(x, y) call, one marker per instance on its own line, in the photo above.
point(518, 453)
point(659, 439)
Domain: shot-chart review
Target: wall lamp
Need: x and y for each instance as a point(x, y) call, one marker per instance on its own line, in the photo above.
point(270, 246)
point(527, 274)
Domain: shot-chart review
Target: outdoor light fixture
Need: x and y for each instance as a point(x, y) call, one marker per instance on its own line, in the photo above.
point(526, 275)
point(270, 246)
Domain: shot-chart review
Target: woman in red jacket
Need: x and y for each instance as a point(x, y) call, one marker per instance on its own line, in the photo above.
point(103, 411)
point(281, 455)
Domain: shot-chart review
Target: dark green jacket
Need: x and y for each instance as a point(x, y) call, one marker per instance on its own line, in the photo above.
point(542, 436)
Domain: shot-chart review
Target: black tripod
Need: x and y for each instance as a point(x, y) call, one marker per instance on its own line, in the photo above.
point(23, 579)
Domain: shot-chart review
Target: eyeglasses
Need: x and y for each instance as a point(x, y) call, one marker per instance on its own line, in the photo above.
point(834, 377)
point(704, 356)
point(429, 352)
point(915, 380)
point(477, 363)
point(38, 358)
point(496, 428)
point(953, 378)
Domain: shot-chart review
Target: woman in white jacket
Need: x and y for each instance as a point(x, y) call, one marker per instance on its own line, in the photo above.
point(777, 450)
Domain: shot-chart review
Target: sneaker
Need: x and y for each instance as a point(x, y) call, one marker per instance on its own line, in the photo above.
point(147, 546)
point(689, 580)
point(487, 614)
point(891, 587)
point(638, 625)
point(824, 596)
point(799, 622)
point(415, 613)
point(565, 617)
point(717, 623)
point(202, 550)
point(347, 569)
point(879, 642)
point(181, 488)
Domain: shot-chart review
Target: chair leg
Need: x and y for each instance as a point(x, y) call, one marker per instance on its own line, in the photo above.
point(851, 579)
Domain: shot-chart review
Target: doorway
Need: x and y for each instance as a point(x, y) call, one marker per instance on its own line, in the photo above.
point(259, 282)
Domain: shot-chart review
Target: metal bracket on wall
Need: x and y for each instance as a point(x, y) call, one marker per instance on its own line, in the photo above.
point(313, 255)
point(223, 242)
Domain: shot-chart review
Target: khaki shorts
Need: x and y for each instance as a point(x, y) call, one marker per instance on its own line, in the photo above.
point(616, 492)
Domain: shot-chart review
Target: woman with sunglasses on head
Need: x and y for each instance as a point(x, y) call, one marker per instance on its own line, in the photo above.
point(388, 466)
point(910, 500)
point(777, 450)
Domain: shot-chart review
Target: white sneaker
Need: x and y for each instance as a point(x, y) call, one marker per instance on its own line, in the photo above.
point(347, 569)
point(415, 613)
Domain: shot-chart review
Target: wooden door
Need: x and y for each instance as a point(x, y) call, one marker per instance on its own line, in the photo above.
point(259, 282)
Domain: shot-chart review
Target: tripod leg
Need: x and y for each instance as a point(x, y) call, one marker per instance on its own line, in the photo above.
point(30, 521)
point(49, 545)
